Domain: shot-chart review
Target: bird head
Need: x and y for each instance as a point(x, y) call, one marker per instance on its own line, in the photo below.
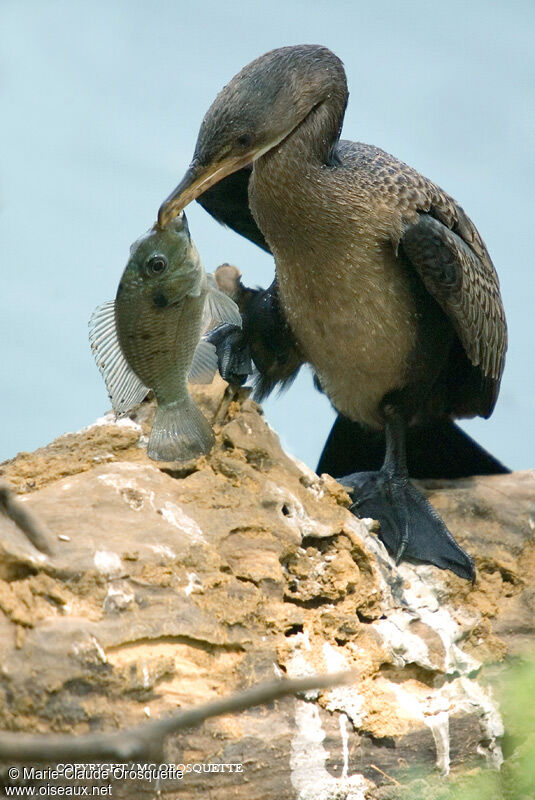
point(253, 113)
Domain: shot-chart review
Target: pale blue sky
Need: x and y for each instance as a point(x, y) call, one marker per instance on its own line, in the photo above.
point(101, 103)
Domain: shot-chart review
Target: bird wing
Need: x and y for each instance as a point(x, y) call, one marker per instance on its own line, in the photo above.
point(444, 247)
point(465, 285)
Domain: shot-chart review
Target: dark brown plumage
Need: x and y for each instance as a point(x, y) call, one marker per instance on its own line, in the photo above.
point(386, 284)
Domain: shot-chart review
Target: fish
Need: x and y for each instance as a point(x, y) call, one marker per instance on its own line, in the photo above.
point(152, 336)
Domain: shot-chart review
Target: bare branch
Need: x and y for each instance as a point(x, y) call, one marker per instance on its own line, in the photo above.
point(145, 743)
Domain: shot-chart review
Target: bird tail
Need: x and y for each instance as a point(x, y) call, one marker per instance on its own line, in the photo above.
point(180, 432)
point(439, 449)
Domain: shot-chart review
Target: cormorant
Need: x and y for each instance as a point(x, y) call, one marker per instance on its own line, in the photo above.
point(385, 283)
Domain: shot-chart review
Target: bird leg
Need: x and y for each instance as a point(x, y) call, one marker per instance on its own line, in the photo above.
point(410, 527)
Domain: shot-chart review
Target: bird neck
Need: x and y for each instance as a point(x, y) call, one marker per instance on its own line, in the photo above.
point(284, 177)
point(316, 136)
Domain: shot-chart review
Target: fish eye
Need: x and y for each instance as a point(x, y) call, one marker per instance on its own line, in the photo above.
point(244, 140)
point(156, 265)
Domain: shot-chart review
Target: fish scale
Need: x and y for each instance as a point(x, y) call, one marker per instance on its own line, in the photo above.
point(151, 337)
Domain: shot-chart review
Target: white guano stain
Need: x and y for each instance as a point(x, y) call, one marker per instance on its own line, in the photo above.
point(345, 745)
point(89, 650)
point(419, 598)
point(111, 419)
point(38, 558)
point(127, 488)
point(404, 646)
point(146, 676)
point(108, 563)
point(297, 665)
point(431, 708)
point(117, 600)
point(462, 692)
point(174, 515)
point(479, 700)
point(164, 551)
point(136, 496)
point(308, 758)
point(277, 670)
point(194, 584)
point(428, 608)
point(439, 725)
point(99, 650)
point(342, 698)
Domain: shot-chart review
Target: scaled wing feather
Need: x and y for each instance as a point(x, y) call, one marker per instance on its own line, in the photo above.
point(465, 284)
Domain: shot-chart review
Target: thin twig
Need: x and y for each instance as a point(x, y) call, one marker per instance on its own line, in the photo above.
point(146, 742)
point(28, 523)
point(394, 781)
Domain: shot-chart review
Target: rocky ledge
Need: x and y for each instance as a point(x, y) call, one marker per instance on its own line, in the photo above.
point(167, 587)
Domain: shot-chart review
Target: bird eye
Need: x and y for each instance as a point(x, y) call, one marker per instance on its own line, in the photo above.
point(244, 140)
point(156, 265)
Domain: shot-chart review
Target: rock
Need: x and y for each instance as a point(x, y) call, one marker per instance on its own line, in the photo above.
point(172, 585)
point(494, 518)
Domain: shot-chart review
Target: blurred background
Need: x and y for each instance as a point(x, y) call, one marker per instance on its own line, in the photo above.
point(101, 103)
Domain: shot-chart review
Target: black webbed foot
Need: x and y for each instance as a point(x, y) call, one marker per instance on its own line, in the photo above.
point(233, 353)
point(410, 527)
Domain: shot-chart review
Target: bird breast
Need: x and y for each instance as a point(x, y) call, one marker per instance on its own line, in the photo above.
point(344, 292)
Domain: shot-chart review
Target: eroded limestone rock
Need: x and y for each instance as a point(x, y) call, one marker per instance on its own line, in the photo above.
point(171, 586)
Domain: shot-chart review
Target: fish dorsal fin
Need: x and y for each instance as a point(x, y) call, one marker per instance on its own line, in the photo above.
point(218, 308)
point(124, 387)
point(204, 364)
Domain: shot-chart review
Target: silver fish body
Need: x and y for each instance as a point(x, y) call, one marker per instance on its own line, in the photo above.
point(151, 337)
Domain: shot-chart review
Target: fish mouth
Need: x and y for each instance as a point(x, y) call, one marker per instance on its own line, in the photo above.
point(198, 178)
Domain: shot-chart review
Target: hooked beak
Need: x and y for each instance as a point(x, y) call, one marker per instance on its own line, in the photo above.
point(195, 182)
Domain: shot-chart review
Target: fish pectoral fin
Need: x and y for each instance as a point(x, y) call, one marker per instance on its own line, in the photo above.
point(123, 385)
point(204, 364)
point(218, 308)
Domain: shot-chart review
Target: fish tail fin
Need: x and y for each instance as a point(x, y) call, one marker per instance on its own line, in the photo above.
point(180, 432)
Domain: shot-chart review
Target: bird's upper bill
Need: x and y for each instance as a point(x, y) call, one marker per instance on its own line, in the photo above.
point(198, 178)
